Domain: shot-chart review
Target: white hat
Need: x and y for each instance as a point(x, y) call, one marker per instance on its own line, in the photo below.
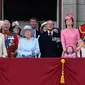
point(26, 27)
point(1, 24)
point(43, 24)
point(15, 23)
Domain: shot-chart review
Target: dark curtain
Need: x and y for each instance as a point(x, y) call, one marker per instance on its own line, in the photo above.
point(23, 10)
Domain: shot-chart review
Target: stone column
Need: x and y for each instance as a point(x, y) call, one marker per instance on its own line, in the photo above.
point(59, 14)
point(70, 6)
point(81, 12)
point(0, 9)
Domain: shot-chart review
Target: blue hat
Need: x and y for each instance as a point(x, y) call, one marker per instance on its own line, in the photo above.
point(26, 27)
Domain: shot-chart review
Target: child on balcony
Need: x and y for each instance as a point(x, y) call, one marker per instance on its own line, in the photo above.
point(80, 48)
point(69, 53)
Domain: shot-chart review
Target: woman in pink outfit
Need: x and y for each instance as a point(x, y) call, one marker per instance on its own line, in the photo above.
point(70, 35)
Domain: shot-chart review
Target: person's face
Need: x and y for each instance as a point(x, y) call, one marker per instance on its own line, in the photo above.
point(69, 50)
point(16, 30)
point(50, 25)
point(27, 33)
point(33, 23)
point(69, 22)
point(80, 42)
point(6, 25)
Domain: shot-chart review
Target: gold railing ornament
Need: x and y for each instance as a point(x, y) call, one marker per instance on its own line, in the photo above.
point(62, 80)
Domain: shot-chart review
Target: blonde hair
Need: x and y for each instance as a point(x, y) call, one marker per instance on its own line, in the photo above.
point(79, 41)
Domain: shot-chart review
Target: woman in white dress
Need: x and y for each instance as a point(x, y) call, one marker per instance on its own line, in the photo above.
point(3, 52)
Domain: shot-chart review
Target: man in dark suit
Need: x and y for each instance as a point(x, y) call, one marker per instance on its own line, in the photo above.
point(33, 22)
point(49, 41)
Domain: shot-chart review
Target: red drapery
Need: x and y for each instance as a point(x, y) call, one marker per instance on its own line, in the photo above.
point(41, 71)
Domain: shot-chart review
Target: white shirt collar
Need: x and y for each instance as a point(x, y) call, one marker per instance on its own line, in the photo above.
point(49, 32)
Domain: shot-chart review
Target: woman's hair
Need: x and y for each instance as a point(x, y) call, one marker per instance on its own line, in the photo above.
point(79, 40)
point(72, 21)
point(67, 49)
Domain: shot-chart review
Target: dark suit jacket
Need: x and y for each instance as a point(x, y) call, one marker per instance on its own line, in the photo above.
point(37, 33)
point(50, 47)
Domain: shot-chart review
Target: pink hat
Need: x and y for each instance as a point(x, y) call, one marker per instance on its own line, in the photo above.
point(68, 16)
